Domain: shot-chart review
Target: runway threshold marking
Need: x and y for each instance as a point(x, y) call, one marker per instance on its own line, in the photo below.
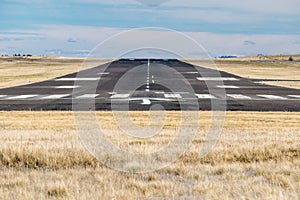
point(273, 97)
point(238, 96)
point(227, 86)
point(295, 96)
point(87, 96)
point(217, 79)
point(174, 96)
point(120, 96)
point(67, 87)
point(190, 72)
point(167, 96)
point(23, 96)
point(56, 96)
point(205, 96)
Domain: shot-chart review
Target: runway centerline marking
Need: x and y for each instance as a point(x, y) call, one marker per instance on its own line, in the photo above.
point(23, 96)
point(87, 96)
point(272, 97)
point(238, 96)
point(67, 87)
point(78, 79)
point(148, 77)
point(174, 96)
point(104, 73)
point(227, 86)
point(1, 96)
point(217, 79)
point(205, 96)
point(56, 96)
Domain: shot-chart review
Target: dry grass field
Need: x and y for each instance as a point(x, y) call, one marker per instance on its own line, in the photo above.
point(41, 155)
point(16, 71)
point(257, 157)
point(260, 67)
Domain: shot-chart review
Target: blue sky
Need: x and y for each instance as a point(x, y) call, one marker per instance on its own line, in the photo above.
point(73, 28)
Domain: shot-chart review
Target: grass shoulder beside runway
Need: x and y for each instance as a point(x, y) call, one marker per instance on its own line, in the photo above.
point(16, 71)
point(257, 157)
point(260, 67)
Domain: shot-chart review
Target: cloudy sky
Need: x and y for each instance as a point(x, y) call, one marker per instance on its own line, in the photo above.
point(222, 27)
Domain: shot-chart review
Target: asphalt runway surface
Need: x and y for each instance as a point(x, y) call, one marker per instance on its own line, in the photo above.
point(144, 84)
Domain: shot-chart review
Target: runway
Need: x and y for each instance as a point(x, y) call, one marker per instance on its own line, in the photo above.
point(141, 84)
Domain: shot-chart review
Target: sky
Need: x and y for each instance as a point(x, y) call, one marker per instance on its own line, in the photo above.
point(80, 27)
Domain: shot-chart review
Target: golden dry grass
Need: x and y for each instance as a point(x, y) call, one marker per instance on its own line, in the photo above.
point(260, 67)
point(257, 157)
point(16, 71)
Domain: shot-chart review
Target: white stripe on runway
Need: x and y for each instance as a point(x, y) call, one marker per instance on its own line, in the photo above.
point(78, 79)
point(295, 96)
point(272, 97)
point(217, 79)
point(205, 96)
point(177, 96)
point(238, 96)
point(104, 73)
point(23, 96)
point(1, 96)
point(227, 86)
point(120, 96)
point(87, 96)
point(146, 102)
point(67, 87)
point(56, 96)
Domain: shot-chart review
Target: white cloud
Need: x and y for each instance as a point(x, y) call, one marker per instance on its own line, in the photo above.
point(265, 6)
point(210, 16)
point(233, 44)
point(249, 42)
point(56, 38)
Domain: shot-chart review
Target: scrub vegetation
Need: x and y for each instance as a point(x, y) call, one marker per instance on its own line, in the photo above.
point(257, 157)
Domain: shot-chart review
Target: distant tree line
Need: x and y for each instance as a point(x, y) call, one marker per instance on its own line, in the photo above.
point(228, 57)
point(17, 55)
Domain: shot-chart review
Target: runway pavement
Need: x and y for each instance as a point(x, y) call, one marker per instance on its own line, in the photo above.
point(142, 84)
